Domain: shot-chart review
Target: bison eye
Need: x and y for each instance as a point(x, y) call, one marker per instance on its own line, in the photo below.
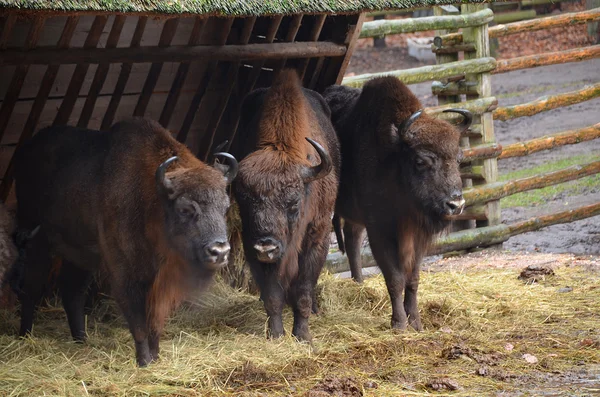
point(423, 162)
point(185, 209)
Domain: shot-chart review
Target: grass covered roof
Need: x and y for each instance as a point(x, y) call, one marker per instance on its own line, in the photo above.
point(222, 7)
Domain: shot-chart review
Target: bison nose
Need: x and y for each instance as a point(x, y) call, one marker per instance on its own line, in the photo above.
point(456, 204)
point(267, 250)
point(217, 253)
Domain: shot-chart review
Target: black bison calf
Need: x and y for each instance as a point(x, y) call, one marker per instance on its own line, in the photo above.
point(286, 193)
point(132, 202)
point(400, 180)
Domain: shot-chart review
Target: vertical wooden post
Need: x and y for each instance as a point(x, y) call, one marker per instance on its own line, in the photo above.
point(479, 36)
point(444, 99)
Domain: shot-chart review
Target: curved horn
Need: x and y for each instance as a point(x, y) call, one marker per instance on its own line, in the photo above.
point(220, 146)
point(468, 117)
point(162, 170)
point(310, 174)
point(402, 128)
point(231, 171)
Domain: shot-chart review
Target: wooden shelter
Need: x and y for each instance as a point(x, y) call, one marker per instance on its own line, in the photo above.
point(185, 63)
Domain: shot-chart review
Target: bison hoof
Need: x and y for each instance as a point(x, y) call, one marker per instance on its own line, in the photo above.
point(399, 325)
point(144, 361)
point(303, 336)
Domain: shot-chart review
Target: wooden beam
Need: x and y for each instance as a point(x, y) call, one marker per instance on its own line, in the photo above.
point(249, 52)
point(550, 58)
point(426, 73)
point(547, 142)
point(480, 152)
point(409, 25)
point(546, 103)
point(498, 190)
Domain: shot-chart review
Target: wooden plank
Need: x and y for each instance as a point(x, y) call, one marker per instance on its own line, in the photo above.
point(482, 151)
point(10, 99)
point(249, 52)
point(215, 100)
point(410, 25)
point(7, 28)
point(123, 76)
point(548, 102)
point(101, 72)
point(182, 72)
point(166, 36)
point(550, 58)
point(230, 126)
point(219, 37)
point(64, 112)
point(548, 142)
point(315, 31)
point(290, 36)
point(568, 19)
point(498, 190)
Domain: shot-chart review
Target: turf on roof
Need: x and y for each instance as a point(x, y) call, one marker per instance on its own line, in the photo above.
point(222, 7)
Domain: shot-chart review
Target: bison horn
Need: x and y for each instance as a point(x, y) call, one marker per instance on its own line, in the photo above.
point(403, 128)
point(161, 171)
point(310, 174)
point(231, 171)
point(468, 118)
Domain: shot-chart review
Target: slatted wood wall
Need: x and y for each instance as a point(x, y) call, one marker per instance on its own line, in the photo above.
point(199, 100)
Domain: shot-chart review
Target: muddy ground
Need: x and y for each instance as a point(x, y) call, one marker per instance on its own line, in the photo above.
point(581, 237)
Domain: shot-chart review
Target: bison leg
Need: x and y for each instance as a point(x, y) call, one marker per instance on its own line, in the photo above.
point(353, 238)
point(74, 282)
point(38, 265)
point(302, 292)
point(132, 300)
point(274, 300)
point(410, 295)
point(384, 246)
point(153, 343)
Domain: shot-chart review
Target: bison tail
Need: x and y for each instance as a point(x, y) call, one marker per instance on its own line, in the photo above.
point(339, 235)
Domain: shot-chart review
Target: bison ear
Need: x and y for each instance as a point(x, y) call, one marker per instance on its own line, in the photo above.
point(229, 170)
point(401, 131)
point(163, 183)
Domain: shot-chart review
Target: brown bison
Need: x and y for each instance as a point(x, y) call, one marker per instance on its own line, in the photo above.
point(286, 193)
point(132, 202)
point(400, 180)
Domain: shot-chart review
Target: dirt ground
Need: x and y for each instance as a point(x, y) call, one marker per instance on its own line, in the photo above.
point(581, 237)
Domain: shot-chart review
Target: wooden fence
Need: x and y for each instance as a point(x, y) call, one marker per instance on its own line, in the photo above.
point(452, 78)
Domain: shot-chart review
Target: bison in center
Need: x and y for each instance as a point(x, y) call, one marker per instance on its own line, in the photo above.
point(400, 180)
point(131, 202)
point(286, 190)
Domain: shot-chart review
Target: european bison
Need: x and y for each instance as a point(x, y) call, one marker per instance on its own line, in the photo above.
point(8, 250)
point(286, 193)
point(132, 202)
point(400, 180)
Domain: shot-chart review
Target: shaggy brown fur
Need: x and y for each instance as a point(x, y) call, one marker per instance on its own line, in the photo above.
point(103, 205)
point(398, 182)
point(8, 251)
point(286, 214)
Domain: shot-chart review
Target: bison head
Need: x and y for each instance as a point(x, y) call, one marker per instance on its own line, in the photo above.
point(428, 156)
point(271, 193)
point(195, 203)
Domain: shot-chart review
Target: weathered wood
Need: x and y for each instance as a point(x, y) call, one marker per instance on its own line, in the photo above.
point(290, 36)
point(483, 151)
point(550, 58)
point(66, 107)
point(101, 73)
point(409, 25)
point(477, 106)
point(491, 235)
point(452, 49)
point(546, 103)
point(461, 87)
point(182, 72)
point(426, 73)
point(248, 85)
point(115, 99)
point(508, 17)
point(18, 77)
point(498, 190)
point(313, 36)
point(166, 36)
point(218, 95)
point(547, 142)
point(9, 24)
point(219, 34)
point(249, 52)
point(569, 19)
point(477, 212)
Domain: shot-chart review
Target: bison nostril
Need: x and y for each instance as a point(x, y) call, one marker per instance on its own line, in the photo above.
point(267, 250)
point(456, 205)
point(218, 251)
